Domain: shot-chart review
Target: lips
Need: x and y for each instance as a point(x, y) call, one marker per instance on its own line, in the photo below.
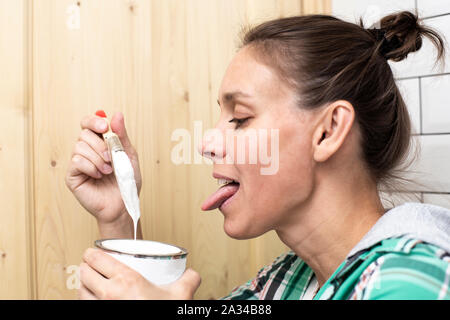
point(219, 197)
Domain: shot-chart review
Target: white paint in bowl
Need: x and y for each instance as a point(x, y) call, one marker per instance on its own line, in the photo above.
point(159, 263)
point(140, 247)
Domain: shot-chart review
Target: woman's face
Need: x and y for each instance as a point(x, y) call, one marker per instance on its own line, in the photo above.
point(271, 188)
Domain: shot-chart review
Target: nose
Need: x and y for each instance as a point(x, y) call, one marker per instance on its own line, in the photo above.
point(213, 145)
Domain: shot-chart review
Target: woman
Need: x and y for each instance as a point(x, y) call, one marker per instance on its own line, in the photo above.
point(343, 127)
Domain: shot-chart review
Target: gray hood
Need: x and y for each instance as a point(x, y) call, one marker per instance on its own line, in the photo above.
point(425, 222)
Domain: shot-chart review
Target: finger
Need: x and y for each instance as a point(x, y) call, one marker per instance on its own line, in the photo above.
point(85, 150)
point(80, 165)
point(93, 281)
point(94, 123)
point(118, 127)
point(96, 143)
point(102, 262)
point(85, 294)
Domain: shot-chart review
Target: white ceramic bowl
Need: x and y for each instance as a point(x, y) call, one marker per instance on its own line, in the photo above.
point(158, 262)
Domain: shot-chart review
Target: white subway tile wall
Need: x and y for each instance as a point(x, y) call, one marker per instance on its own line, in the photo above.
point(370, 10)
point(437, 199)
point(429, 8)
point(410, 89)
point(432, 166)
point(436, 104)
point(426, 91)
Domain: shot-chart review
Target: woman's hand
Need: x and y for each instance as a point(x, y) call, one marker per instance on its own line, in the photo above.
point(103, 277)
point(90, 176)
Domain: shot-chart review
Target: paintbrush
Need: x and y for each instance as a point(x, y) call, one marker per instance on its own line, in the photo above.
point(124, 172)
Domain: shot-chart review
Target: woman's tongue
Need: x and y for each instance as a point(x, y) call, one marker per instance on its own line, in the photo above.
point(215, 200)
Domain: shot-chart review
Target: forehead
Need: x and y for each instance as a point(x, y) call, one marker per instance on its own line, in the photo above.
point(246, 74)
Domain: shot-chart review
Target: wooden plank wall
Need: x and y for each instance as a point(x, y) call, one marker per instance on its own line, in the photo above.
point(161, 64)
point(15, 237)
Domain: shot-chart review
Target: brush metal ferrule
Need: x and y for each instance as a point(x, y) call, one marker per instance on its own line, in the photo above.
point(113, 142)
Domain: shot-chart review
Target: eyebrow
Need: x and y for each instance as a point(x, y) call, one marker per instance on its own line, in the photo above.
point(232, 96)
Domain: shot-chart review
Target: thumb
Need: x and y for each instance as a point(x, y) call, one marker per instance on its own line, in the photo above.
point(189, 282)
point(118, 127)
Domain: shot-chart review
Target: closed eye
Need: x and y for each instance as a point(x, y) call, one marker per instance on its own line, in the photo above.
point(239, 122)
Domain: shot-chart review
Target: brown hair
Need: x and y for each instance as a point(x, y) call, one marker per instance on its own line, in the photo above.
point(326, 59)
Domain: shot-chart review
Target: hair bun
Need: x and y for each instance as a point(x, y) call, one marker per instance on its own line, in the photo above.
point(401, 33)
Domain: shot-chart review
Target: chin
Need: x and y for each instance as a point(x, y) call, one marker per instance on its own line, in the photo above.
point(240, 231)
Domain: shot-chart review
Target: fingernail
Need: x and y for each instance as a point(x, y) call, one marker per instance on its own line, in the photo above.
point(101, 125)
point(107, 168)
point(106, 156)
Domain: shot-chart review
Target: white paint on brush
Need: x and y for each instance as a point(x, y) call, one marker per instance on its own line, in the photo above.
point(127, 185)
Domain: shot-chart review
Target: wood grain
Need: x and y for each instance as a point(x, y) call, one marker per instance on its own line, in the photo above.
point(161, 63)
point(15, 250)
point(316, 6)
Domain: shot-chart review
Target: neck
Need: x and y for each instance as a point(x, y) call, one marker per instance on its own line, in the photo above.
point(323, 235)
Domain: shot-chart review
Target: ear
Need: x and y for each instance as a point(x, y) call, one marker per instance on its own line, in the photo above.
point(332, 129)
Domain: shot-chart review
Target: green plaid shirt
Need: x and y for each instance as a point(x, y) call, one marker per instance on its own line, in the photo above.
point(397, 268)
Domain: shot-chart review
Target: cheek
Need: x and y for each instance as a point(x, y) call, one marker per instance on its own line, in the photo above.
point(292, 184)
point(267, 199)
